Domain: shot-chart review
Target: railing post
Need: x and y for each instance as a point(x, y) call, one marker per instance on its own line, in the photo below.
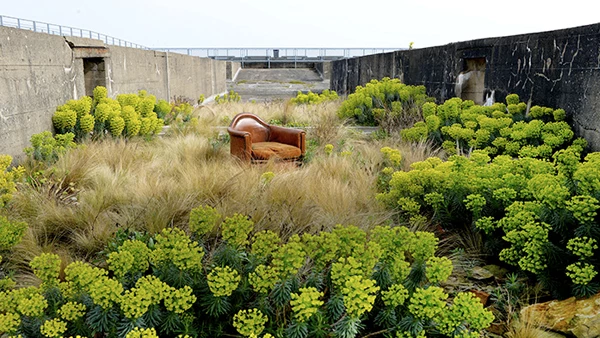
point(18, 23)
point(34, 27)
point(1, 23)
point(48, 26)
point(71, 29)
point(60, 30)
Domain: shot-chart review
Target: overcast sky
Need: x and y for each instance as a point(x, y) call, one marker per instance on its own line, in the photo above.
point(304, 23)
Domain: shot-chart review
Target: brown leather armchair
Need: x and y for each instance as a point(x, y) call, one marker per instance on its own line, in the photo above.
point(253, 139)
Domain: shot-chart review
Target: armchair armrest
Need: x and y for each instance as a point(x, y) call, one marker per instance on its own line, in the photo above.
point(294, 137)
point(240, 144)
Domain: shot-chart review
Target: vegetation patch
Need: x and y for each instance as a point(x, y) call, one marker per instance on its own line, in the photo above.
point(127, 236)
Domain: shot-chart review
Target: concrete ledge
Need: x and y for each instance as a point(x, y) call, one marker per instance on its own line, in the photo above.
point(74, 41)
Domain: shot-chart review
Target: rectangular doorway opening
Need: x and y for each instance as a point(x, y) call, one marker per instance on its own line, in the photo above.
point(94, 74)
point(474, 87)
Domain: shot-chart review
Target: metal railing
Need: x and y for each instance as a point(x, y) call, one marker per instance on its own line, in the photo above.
point(44, 27)
point(275, 53)
point(245, 55)
point(270, 56)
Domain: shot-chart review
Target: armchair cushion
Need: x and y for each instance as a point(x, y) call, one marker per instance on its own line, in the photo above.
point(266, 150)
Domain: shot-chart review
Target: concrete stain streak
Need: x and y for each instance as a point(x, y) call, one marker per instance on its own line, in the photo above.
point(575, 54)
point(542, 76)
point(557, 80)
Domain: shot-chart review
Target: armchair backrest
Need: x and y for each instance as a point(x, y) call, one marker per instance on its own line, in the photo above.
point(258, 129)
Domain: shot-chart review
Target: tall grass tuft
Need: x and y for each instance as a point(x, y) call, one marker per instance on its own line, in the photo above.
point(80, 202)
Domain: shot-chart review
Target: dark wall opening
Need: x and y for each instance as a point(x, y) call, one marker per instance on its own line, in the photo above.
point(94, 74)
point(474, 86)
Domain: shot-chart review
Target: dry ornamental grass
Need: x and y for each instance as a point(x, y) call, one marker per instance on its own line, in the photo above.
point(75, 206)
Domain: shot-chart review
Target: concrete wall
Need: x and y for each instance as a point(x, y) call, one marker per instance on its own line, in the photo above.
point(558, 69)
point(232, 69)
point(38, 72)
point(324, 69)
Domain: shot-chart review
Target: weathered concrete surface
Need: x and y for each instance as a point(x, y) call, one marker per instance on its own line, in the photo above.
point(130, 70)
point(39, 72)
point(282, 75)
point(276, 84)
point(324, 69)
point(558, 69)
point(232, 69)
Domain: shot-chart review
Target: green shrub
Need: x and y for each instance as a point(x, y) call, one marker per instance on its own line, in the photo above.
point(313, 98)
point(545, 213)
point(162, 108)
point(11, 233)
point(387, 103)
point(461, 126)
point(8, 179)
point(232, 96)
point(74, 116)
point(47, 148)
point(333, 283)
point(129, 115)
point(181, 113)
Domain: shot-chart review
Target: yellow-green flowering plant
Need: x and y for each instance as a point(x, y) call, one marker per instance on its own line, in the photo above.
point(306, 303)
point(47, 268)
point(387, 102)
point(9, 322)
point(8, 179)
point(47, 148)
point(250, 323)
point(142, 333)
point(54, 328)
point(231, 96)
point(223, 281)
point(513, 129)
point(264, 243)
point(544, 213)
point(203, 220)
point(72, 311)
point(174, 247)
point(128, 116)
point(11, 232)
point(314, 98)
point(339, 282)
point(235, 230)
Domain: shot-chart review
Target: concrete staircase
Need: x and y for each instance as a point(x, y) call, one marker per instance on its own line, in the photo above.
point(276, 83)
